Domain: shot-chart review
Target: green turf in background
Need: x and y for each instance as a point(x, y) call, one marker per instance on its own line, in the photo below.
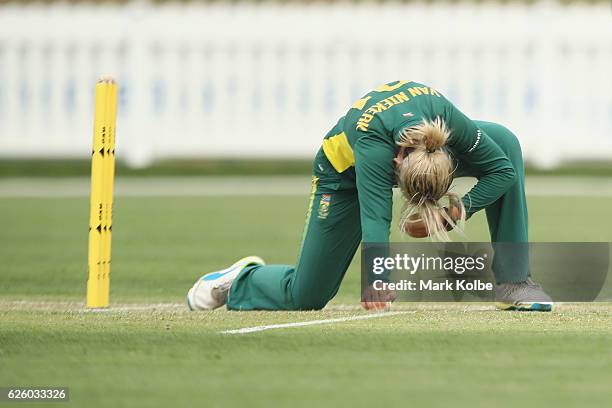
point(53, 168)
point(164, 358)
point(429, 358)
point(160, 245)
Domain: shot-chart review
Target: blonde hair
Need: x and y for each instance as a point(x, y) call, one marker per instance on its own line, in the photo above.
point(424, 177)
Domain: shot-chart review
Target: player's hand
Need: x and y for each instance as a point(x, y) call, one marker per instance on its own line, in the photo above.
point(378, 299)
point(416, 228)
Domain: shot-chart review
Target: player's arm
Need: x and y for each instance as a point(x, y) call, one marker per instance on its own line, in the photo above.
point(480, 152)
point(375, 179)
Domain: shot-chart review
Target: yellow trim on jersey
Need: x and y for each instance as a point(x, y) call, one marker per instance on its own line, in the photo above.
point(359, 104)
point(339, 152)
point(389, 88)
point(313, 193)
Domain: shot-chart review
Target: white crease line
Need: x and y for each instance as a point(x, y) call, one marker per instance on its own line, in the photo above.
point(246, 330)
point(80, 306)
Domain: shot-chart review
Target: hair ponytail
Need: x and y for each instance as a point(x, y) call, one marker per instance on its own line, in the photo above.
point(425, 176)
point(428, 136)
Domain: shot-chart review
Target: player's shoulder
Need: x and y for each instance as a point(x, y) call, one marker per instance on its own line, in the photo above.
point(385, 90)
point(389, 106)
point(396, 92)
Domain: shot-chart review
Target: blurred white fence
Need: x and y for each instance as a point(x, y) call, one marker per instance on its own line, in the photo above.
point(270, 80)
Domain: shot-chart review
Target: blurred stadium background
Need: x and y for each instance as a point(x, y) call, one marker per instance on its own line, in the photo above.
point(250, 88)
point(267, 79)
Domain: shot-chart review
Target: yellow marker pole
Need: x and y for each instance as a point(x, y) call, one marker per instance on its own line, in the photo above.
point(102, 184)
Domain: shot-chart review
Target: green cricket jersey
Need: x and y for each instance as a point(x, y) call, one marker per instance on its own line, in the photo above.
point(364, 141)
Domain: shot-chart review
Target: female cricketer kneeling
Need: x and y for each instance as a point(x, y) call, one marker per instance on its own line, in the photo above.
point(402, 133)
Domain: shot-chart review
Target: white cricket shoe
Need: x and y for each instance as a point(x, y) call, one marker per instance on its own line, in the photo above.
point(210, 291)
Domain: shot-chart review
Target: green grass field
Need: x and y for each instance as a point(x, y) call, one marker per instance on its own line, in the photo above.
point(147, 350)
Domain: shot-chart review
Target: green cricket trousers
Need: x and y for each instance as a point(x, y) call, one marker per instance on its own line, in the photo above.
point(333, 233)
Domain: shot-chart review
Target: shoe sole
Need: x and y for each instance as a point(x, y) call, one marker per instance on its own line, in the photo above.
point(193, 289)
point(189, 304)
point(526, 306)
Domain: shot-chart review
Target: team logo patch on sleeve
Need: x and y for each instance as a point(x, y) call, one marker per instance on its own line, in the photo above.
point(324, 206)
point(477, 142)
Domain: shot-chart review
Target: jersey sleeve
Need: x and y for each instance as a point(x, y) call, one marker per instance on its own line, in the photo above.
point(478, 151)
point(375, 178)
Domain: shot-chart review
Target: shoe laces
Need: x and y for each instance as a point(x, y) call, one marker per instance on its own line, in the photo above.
point(530, 282)
point(517, 286)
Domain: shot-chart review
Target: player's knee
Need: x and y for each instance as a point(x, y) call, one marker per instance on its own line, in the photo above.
point(515, 146)
point(511, 144)
point(309, 302)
